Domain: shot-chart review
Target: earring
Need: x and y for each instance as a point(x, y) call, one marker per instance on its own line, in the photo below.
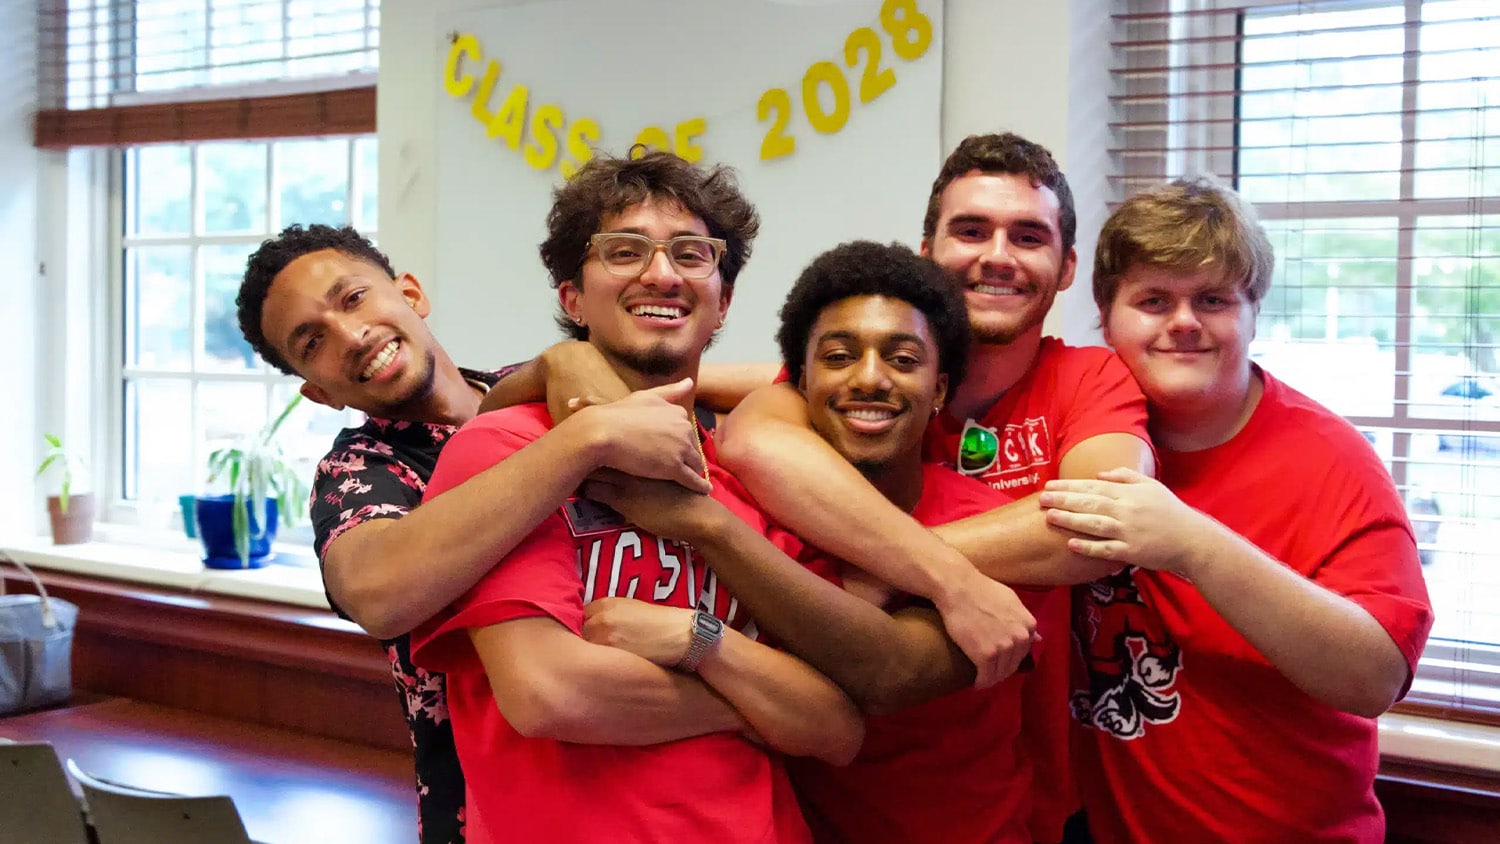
point(937, 408)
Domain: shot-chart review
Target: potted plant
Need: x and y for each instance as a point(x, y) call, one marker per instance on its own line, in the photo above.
point(237, 528)
point(72, 514)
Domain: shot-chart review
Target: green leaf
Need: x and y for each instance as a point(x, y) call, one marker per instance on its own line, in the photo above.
point(45, 463)
point(52, 440)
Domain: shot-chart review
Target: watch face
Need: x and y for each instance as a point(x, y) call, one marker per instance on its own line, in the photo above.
point(707, 623)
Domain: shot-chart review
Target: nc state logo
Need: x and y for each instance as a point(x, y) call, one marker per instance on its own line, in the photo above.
point(1132, 687)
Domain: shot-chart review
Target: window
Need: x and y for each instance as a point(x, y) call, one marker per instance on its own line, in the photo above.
point(123, 51)
point(188, 381)
point(1368, 136)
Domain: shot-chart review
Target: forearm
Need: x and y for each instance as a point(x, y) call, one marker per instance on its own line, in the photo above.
point(1324, 643)
point(807, 486)
point(722, 386)
point(526, 383)
point(571, 690)
point(882, 662)
point(392, 579)
point(794, 708)
point(1014, 544)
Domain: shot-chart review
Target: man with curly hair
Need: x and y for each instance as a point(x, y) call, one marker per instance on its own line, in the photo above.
point(324, 304)
point(604, 684)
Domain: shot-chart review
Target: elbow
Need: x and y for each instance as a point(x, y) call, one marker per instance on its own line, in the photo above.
point(542, 709)
point(741, 451)
point(1374, 698)
point(839, 740)
point(379, 614)
point(892, 686)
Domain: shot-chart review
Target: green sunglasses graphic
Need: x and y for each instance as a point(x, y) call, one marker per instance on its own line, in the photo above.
point(978, 448)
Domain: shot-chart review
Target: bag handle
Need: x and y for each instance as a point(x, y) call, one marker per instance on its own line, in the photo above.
point(49, 619)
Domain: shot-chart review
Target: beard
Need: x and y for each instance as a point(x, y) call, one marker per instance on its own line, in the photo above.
point(416, 397)
point(658, 361)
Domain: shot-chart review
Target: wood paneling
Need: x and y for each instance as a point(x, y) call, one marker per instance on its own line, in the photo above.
point(271, 664)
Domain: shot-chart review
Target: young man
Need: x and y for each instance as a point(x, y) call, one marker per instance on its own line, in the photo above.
point(1272, 602)
point(874, 337)
point(565, 739)
point(1000, 220)
point(324, 304)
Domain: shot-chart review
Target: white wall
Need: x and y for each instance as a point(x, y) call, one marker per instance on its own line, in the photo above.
point(1008, 64)
point(21, 316)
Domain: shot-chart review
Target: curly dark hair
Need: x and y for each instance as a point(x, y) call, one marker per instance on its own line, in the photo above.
point(608, 185)
point(273, 256)
point(1005, 153)
point(866, 268)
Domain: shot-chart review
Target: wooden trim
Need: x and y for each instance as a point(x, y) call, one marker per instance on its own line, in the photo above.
point(1427, 805)
point(1433, 708)
point(274, 664)
point(348, 111)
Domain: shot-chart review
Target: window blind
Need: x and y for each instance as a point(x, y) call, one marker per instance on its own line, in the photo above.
point(1367, 134)
point(120, 72)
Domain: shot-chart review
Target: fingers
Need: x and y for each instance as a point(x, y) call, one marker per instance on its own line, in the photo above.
point(1123, 475)
point(989, 672)
point(674, 392)
point(577, 403)
point(692, 478)
point(1076, 502)
point(1092, 524)
point(1099, 549)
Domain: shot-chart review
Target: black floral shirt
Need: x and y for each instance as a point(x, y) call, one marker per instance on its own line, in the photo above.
point(379, 471)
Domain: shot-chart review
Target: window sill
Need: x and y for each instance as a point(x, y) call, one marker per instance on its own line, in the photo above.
point(1424, 741)
point(172, 561)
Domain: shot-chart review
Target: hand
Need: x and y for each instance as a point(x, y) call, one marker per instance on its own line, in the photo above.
point(575, 368)
point(987, 620)
point(649, 433)
point(650, 631)
point(665, 509)
point(1129, 518)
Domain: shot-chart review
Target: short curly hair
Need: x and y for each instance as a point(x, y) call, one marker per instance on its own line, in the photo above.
point(608, 185)
point(866, 268)
point(1003, 154)
point(274, 255)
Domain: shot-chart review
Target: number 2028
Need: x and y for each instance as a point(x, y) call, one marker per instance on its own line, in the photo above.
point(911, 35)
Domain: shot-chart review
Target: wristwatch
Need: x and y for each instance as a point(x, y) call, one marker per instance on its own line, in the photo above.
point(707, 631)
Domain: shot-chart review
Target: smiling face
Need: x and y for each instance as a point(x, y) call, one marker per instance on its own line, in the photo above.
point(1000, 236)
point(358, 337)
point(1185, 337)
point(655, 324)
point(872, 383)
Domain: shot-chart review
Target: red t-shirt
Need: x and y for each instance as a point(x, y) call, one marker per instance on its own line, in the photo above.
point(718, 787)
point(1196, 737)
point(949, 770)
point(1069, 395)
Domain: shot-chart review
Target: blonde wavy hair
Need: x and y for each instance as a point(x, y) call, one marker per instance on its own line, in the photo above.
point(1184, 225)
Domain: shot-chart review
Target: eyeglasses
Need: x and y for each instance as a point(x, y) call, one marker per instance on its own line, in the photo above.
point(978, 448)
point(628, 255)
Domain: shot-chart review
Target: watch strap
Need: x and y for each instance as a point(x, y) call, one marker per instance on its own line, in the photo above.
point(707, 631)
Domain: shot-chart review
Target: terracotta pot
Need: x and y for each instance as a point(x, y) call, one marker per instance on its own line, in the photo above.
point(76, 525)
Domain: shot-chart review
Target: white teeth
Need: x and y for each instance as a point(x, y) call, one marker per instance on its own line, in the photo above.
point(658, 311)
point(381, 361)
point(992, 290)
point(871, 415)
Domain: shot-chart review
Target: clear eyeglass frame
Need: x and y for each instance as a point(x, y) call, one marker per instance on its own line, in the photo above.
point(649, 246)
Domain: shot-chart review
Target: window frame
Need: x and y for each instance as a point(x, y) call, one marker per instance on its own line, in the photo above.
point(1454, 678)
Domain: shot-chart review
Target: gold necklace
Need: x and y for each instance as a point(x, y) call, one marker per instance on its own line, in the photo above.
point(698, 440)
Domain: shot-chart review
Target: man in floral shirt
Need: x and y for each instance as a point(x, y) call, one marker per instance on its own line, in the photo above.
point(324, 304)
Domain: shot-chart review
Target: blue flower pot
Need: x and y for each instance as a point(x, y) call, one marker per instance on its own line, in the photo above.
point(215, 517)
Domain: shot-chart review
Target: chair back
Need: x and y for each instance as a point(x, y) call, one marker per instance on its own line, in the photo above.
point(37, 806)
point(122, 814)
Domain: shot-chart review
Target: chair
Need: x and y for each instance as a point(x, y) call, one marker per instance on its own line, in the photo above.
point(36, 804)
point(122, 814)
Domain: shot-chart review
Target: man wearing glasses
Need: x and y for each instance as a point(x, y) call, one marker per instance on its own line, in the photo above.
point(567, 730)
point(324, 304)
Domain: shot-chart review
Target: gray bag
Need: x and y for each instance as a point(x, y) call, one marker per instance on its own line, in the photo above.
point(36, 648)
